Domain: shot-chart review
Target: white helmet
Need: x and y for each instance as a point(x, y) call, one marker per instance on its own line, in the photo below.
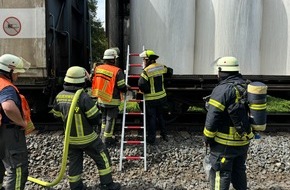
point(117, 50)
point(228, 64)
point(8, 62)
point(110, 54)
point(75, 75)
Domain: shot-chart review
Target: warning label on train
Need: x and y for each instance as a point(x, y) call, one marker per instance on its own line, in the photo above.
point(12, 26)
point(23, 23)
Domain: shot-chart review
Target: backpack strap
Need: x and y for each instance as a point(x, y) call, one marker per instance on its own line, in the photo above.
point(238, 111)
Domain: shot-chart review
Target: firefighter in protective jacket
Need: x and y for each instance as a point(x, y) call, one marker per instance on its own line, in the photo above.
point(227, 135)
point(151, 83)
point(83, 138)
point(108, 83)
point(13, 148)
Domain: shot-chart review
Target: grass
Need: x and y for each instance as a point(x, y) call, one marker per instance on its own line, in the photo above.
point(277, 105)
point(274, 105)
point(131, 107)
point(196, 109)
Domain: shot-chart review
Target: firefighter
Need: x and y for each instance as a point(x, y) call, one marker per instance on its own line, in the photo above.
point(13, 151)
point(83, 138)
point(151, 83)
point(107, 85)
point(228, 144)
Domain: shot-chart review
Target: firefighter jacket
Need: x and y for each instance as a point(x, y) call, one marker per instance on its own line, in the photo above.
point(151, 82)
point(25, 111)
point(107, 84)
point(84, 118)
point(218, 126)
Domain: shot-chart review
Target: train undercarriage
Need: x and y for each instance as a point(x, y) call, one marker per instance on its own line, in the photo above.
point(183, 92)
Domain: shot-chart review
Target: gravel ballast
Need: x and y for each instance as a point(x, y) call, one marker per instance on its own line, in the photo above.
point(173, 165)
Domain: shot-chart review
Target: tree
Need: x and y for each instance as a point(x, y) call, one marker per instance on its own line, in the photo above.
point(98, 35)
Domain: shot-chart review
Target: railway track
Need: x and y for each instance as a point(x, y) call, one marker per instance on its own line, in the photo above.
point(189, 121)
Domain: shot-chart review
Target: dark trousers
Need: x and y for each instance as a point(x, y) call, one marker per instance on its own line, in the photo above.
point(14, 158)
point(109, 116)
point(99, 153)
point(154, 115)
point(228, 166)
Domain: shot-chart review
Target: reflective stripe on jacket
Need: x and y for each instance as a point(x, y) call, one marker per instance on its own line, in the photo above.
point(154, 74)
point(103, 82)
point(81, 130)
point(218, 125)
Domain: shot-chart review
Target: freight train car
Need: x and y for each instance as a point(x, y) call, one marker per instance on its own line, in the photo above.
point(190, 35)
point(52, 35)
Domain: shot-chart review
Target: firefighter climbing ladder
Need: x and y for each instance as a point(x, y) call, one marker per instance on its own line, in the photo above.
point(139, 127)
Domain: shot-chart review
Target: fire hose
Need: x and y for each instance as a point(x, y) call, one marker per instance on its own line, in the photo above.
point(65, 146)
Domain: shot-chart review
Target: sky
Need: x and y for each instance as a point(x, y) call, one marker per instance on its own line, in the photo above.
point(101, 11)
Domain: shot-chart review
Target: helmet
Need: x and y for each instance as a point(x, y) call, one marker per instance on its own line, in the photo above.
point(110, 54)
point(8, 62)
point(117, 50)
point(75, 75)
point(149, 54)
point(22, 67)
point(228, 64)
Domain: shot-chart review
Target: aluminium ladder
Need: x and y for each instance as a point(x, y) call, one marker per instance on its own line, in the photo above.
point(125, 127)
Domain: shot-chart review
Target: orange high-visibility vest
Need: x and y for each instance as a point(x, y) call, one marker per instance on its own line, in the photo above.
point(103, 82)
point(24, 105)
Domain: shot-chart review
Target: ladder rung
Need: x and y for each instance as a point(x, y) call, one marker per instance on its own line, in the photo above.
point(134, 54)
point(134, 127)
point(134, 142)
point(133, 157)
point(136, 65)
point(133, 139)
point(134, 100)
point(133, 88)
point(134, 113)
point(133, 76)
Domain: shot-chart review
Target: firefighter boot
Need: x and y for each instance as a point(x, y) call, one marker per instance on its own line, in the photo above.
point(111, 186)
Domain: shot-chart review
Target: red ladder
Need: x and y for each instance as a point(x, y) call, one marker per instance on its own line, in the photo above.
point(125, 127)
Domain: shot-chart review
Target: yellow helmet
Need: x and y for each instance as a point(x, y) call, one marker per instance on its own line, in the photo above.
point(228, 64)
point(149, 54)
point(75, 75)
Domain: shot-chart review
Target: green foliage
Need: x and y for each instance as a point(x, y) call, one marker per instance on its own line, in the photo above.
point(277, 105)
point(196, 109)
point(131, 107)
point(98, 35)
point(274, 105)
